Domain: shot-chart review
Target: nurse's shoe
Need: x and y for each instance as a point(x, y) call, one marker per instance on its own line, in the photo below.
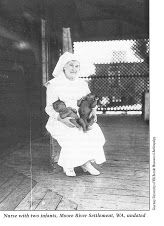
point(89, 168)
point(70, 172)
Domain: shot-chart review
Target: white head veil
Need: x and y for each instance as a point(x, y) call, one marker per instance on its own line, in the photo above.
point(58, 70)
point(65, 58)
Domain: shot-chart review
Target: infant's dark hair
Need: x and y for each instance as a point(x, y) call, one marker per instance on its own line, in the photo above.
point(56, 104)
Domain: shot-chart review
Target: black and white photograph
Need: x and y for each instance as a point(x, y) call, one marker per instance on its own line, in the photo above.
point(75, 108)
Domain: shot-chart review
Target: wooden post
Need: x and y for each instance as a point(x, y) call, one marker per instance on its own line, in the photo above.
point(146, 106)
point(67, 46)
point(146, 112)
point(67, 42)
point(54, 153)
point(45, 68)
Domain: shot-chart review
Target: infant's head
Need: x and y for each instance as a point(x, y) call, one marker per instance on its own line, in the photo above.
point(91, 97)
point(59, 105)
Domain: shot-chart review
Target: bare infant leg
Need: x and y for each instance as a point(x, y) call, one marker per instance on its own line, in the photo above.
point(73, 121)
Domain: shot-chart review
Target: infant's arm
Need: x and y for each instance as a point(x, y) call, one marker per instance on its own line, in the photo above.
point(72, 109)
point(65, 113)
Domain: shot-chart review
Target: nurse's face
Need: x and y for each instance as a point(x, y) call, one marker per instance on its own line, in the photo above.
point(71, 69)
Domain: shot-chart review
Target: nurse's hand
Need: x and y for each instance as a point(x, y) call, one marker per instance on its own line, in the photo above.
point(66, 121)
point(93, 114)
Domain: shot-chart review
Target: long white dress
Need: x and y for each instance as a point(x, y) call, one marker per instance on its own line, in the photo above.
point(77, 147)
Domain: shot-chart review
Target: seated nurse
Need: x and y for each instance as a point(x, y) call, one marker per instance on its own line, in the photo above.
point(77, 147)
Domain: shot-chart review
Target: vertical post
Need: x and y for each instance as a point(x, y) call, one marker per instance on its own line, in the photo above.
point(54, 148)
point(45, 68)
point(67, 42)
point(146, 106)
point(67, 46)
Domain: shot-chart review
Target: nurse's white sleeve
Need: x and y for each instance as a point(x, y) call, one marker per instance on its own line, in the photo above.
point(51, 97)
point(86, 88)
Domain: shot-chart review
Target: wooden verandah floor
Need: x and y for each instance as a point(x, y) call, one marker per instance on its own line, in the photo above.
point(26, 176)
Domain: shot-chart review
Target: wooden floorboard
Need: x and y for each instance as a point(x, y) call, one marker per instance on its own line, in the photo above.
point(67, 204)
point(122, 185)
point(102, 204)
point(40, 198)
point(16, 196)
point(32, 200)
point(10, 185)
point(50, 201)
point(5, 174)
point(14, 187)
